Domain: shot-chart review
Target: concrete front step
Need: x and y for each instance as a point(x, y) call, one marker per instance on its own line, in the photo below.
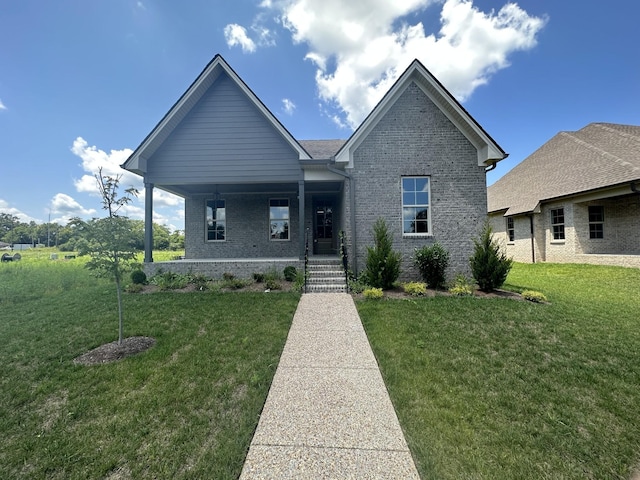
point(325, 276)
point(318, 288)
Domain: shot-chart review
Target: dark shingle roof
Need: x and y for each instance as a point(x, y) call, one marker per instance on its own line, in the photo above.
point(321, 149)
point(597, 156)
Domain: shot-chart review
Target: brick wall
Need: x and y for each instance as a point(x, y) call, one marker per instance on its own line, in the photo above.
point(215, 269)
point(415, 138)
point(247, 228)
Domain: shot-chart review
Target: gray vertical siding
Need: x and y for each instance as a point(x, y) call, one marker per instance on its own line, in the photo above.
point(224, 139)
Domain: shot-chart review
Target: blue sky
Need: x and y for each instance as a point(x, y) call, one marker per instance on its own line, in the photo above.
point(83, 82)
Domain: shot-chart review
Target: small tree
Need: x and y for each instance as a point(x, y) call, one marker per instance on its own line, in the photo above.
point(110, 241)
point(383, 264)
point(489, 264)
point(432, 262)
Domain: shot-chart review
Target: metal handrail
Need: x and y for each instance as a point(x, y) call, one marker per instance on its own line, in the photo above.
point(345, 258)
point(306, 258)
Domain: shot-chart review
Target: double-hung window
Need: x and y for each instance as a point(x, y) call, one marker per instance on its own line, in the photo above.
point(511, 231)
point(279, 219)
point(216, 221)
point(557, 223)
point(596, 221)
point(416, 218)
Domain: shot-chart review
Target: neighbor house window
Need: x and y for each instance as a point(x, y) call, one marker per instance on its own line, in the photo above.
point(511, 232)
point(596, 221)
point(415, 206)
point(216, 220)
point(279, 219)
point(557, 223)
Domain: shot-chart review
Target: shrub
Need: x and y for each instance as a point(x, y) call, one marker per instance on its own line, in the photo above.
point(272, 284)
point(533, 296)
point(228, 276)
point(415, 288)
point(383, 264)
point(298, 284)
point(290, 273)
point(357, 285)
point(234, 283)
point(373, 293)
point(432, 262)
point(170, 281)
point(461, 286)
point(258, 277)
point(138, 277)
point(200, 281)
point(489, 264)
point(134, 288)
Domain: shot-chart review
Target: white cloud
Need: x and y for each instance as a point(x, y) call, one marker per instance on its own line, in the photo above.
point(23, 217)
point(2, 106)
point(369, 43)
point(93, 159)
point(63, 204)
point(288, 106)
point(235, 34)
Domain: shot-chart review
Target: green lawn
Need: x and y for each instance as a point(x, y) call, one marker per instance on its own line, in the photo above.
point(501, 389)
point(187, 408)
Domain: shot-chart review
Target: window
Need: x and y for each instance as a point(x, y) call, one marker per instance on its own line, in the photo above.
point(415, 206)
point(216, 221)
point(511, 232)
point(557, 223)
point(279, 219)
point(596, 221)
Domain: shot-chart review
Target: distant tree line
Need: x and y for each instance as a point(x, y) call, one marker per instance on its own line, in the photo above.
point(66, 237)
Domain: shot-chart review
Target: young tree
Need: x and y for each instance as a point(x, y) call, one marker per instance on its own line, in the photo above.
point(110, 241)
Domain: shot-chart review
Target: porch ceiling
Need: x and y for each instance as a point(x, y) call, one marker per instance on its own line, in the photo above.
point(188, 190)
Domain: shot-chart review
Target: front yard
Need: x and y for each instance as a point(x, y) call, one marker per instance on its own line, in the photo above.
point(485, 388)
point(496, 388)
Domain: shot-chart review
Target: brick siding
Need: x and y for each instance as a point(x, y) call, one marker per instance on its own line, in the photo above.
point(415, 138)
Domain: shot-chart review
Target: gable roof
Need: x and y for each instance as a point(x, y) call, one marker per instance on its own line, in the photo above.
point(599, 155)
point(489, 152)
point(137, 161)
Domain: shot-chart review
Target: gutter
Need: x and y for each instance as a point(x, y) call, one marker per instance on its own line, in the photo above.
point(352, 220)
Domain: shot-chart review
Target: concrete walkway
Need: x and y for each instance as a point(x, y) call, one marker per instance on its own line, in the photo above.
point(328, 413)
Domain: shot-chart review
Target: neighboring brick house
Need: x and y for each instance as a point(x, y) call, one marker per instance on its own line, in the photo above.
point(574, 200)
point(254, 194)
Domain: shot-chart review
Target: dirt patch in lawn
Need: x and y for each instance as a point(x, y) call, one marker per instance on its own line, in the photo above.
point(112, 352)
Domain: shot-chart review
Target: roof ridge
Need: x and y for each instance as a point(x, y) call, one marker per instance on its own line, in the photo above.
point(622, 162)
point(608, 128)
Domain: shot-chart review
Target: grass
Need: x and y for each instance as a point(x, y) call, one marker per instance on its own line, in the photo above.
point(500, 389)
point(187, 408)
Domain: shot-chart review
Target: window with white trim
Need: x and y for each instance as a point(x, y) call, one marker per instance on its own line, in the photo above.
point(596, 221)
point(216, 219)
point(416, 218)
point(279, 219)
point(557, 223)
point(511, 231)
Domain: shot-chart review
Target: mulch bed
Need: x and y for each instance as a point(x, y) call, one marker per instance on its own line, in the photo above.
point(112, 352)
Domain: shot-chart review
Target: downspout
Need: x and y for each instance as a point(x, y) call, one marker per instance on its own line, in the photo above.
point(533, 244)
point(352, 220)
point(491, 167)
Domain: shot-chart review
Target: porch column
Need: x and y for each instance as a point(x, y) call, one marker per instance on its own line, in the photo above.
point(301, 218)
point(148, 222)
